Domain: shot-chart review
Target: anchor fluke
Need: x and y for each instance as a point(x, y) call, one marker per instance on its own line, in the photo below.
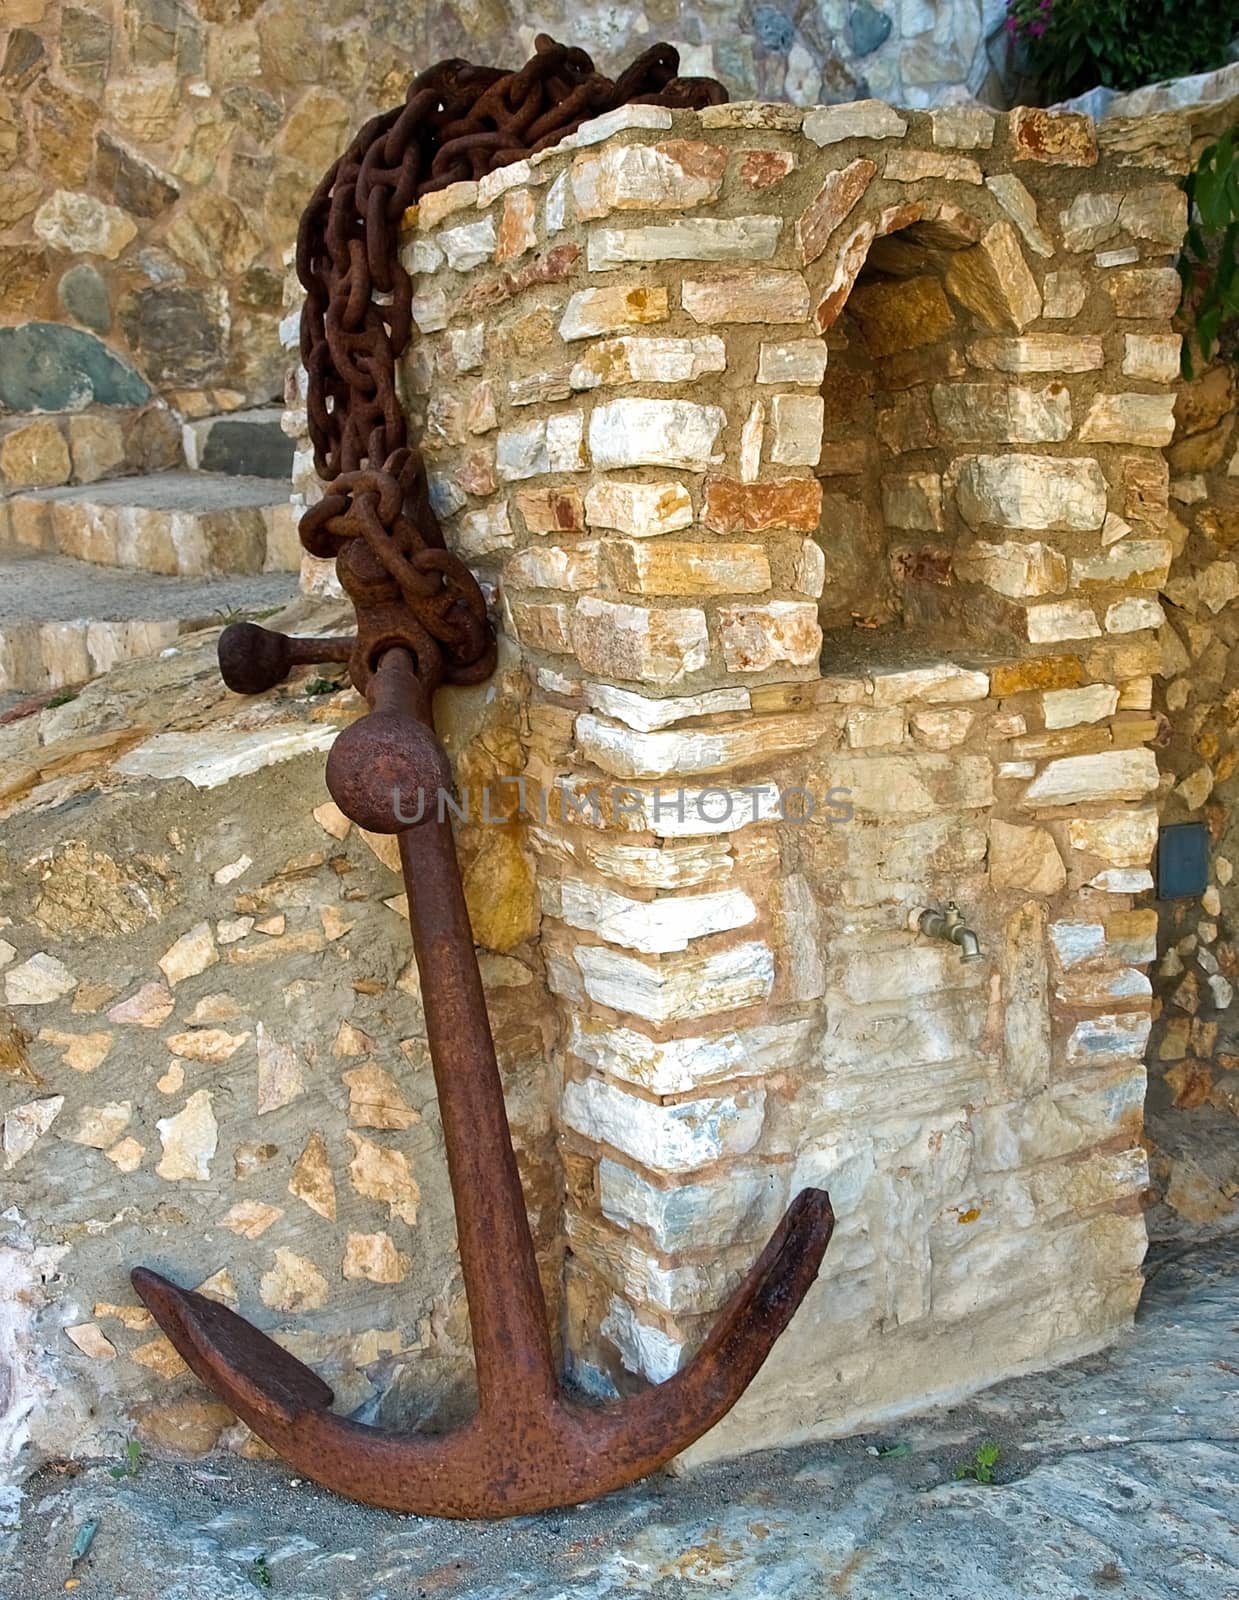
point(524, 1450)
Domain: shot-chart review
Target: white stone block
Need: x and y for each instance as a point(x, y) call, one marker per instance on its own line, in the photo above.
point(858, 119)
point(745, 1204)
point(679, 1066)
point(1028, 491)
point(654, 433)
point(641, 510)
point(793, 361)
point(796, 433)
point(1109, 775)
point(646, 177)
point(654, 927)
point(648, 359)
point(468, 246)
point(1068, 708)
point(645, 1349)
point(648, 715)
point(631, 753)
point(687, 239)
point(552, 444)
point(665, 1138)
point(680, 988)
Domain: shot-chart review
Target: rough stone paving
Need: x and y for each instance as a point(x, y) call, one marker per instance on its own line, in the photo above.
point(1116, 1476)
point(708, 401)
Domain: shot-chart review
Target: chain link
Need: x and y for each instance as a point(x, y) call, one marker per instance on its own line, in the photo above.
point(458, 123)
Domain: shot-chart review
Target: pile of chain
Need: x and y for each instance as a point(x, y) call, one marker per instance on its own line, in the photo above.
point(458, 122)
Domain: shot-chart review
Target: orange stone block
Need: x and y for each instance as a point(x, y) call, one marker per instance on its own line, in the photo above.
point(1050, 672)
point(1059, 138)
point(734, 507)
point(551, 510)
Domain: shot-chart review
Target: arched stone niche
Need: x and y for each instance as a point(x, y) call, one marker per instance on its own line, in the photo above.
point(815, 458)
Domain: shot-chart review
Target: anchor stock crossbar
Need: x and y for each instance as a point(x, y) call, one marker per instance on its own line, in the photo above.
point(421, 621)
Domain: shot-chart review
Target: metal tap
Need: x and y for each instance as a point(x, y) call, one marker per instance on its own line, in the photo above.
point(949, 925)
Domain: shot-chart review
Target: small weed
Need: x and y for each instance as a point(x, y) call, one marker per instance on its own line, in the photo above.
point(132, 1462)
point(62, 697)
point(321, 686)
point(260, 1573)
point(981, 1467)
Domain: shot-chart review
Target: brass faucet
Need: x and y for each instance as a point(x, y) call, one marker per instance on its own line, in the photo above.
point(949, 925)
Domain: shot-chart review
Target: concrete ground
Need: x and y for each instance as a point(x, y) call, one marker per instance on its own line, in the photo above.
point(59, 589)
point(1116, 1477)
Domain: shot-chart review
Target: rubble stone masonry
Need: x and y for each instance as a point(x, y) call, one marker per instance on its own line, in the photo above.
point(815, 463)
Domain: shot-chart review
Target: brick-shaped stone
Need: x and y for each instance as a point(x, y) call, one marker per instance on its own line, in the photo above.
point(689, 239)
point(640, 509)
point(756, 638)
point(757, 295)
point(983, 413)
point(671, 176)
point(646, 358)
point(797, 361)
point(1027, 491)
point(591, 312)
point(1129, 419)
point(672, 567)
point(734, 507)
point(796, 429)
point(654, 433)
point(615, 640)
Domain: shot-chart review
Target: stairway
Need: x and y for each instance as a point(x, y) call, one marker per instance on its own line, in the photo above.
point(93, 574)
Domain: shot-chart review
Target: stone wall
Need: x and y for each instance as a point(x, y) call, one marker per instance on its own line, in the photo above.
point(708, 400)
point(213, 1059)
point(703, 397)
point(1194, 1051)
point(155, 156)
point(1194, 1054)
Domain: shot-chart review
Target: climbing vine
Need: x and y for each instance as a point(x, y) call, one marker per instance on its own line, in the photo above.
point(1209, 263)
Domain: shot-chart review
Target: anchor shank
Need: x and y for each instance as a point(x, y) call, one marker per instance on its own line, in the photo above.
point(507, 1311)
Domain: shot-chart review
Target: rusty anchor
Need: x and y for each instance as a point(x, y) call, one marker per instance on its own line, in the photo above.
point(532, 1444)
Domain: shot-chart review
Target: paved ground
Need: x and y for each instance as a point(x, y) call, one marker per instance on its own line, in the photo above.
point(60, 589)
point(1117, 1477)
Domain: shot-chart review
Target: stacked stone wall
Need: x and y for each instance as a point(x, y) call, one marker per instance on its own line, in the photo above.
point(810, 459)
point(823, 453)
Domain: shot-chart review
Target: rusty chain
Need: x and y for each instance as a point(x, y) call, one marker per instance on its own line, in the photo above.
point(458, 122)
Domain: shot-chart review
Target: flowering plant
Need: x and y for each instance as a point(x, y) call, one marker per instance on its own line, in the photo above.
point(1073, 45)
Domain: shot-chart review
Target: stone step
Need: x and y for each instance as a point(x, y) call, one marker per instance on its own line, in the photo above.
point(248, 444)
point(184, 524)
point(63, 622)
